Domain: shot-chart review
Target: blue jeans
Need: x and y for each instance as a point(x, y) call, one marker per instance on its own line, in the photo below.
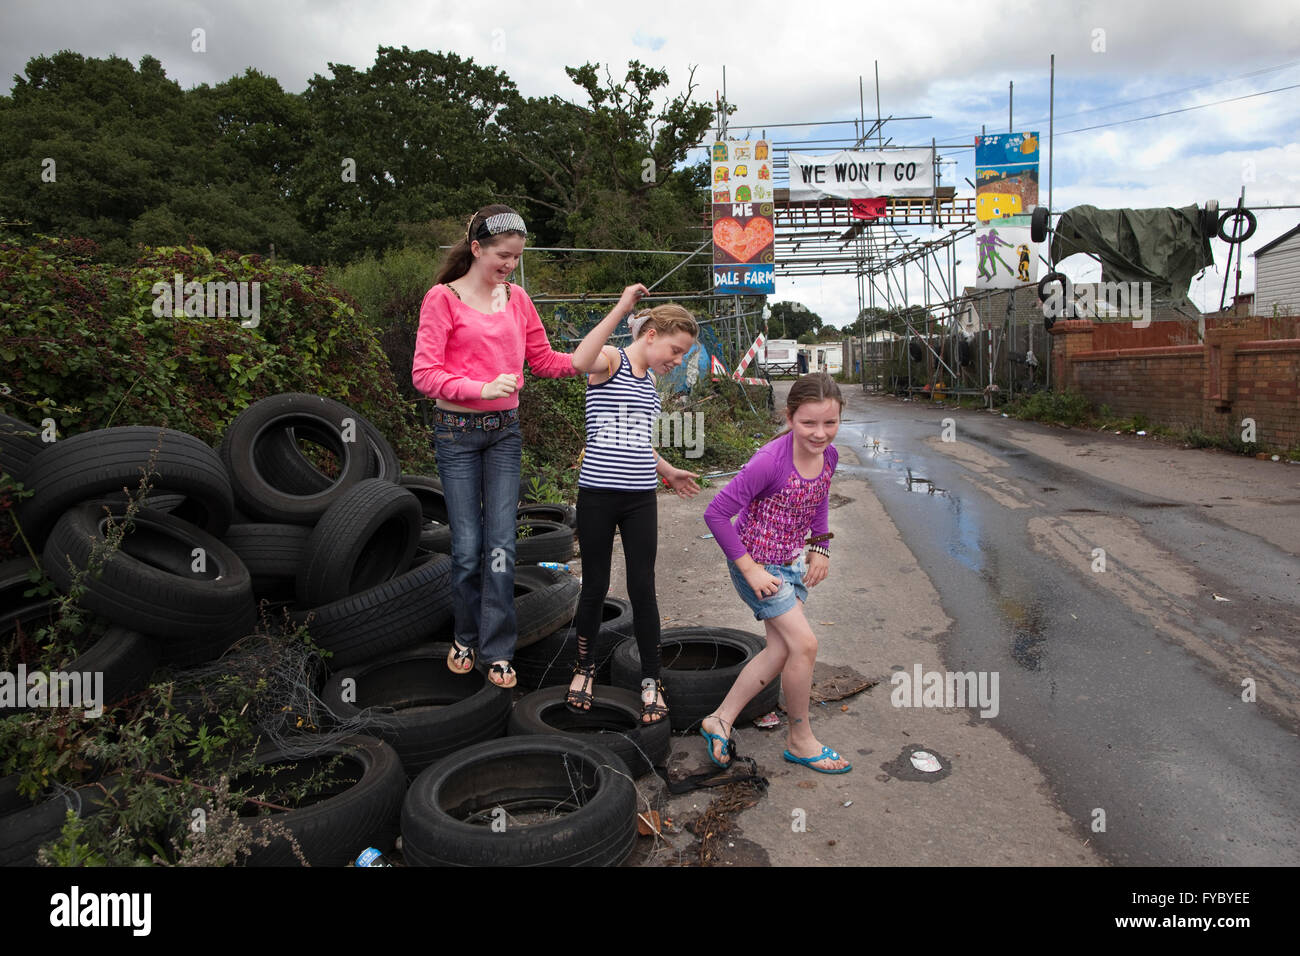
point(480, 481)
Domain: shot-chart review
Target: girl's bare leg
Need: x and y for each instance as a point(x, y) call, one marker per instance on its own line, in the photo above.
point(796, 679)
point(755, 675)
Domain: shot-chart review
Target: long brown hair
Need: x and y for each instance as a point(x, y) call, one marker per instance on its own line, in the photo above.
point(813, 387)
point(460, 257)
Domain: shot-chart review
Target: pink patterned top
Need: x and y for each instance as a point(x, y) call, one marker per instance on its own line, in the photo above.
point(775, 505)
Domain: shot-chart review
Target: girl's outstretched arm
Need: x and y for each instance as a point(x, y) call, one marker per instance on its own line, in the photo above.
point(587, 356)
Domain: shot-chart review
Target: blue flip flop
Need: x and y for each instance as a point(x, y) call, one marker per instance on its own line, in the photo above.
point(808, 762)
point(726, 746)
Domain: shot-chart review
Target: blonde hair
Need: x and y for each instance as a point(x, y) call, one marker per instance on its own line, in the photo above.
point(666, 319)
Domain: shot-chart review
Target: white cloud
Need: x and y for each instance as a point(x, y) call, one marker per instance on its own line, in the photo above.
point(953, 63)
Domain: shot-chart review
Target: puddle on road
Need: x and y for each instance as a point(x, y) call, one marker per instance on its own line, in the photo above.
point(1028, 623)
point(920, 485)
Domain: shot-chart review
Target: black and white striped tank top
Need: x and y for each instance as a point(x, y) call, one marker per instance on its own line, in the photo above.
point(621, 423)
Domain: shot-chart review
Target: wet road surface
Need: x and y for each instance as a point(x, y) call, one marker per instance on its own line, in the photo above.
point(1120, 674)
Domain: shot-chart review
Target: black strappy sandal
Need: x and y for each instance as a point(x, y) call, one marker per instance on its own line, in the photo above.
point(581, 701)
point(654, 710)
point(506, 673)
point(460, 659)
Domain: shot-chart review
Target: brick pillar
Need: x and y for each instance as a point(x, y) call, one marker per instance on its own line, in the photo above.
point(1069, 338)
point(1219, 381)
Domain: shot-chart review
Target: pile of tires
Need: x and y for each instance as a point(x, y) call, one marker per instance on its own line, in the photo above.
point(303, 506)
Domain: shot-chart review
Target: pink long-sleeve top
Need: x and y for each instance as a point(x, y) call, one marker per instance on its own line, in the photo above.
point(458, 349)
point(773, 504)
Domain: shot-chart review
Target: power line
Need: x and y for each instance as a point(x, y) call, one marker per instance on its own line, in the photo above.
point(1185, 109)
point(1156, 96)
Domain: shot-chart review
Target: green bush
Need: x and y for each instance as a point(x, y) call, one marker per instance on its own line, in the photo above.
point(83, 343)
point(1068, 408)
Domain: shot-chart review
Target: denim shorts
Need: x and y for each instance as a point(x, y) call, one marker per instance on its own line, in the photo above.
point(792, 588)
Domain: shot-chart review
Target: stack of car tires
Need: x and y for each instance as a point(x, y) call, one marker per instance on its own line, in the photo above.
point(303, 507)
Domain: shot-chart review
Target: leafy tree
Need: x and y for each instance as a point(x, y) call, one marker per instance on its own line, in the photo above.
point(610, 174)
point(404, 142)
point(98, 149)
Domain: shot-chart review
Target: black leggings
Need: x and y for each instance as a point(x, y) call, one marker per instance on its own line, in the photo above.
point(636, 513)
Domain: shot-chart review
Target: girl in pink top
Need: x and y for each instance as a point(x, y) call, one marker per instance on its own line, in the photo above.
point(780, 495)
point(476, 330)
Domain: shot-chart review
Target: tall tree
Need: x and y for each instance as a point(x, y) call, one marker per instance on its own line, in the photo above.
point(403, 142)
point(612, 173)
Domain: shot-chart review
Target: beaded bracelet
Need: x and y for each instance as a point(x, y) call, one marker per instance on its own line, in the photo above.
point(818, 549)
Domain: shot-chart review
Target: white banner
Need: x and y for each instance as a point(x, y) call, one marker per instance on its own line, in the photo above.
point(862, 175)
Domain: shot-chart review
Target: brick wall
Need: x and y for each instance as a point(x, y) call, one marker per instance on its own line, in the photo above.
point(1238, 373)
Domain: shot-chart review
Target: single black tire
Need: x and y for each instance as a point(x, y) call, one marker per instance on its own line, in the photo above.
point(963, 352)
point(365, 537)
point(1233, 215)
point(334, 830)
point(546, 541)
point(1047, 280)
point(545, 600)
point(520, 775)
point(19, 444)
point(616, 616)
point(255, 494)
point(1040, 222)
point(103, 462)
point(273, 553)
point(15, 578)
point(550, 661)
point(699, 665)
point(1210, 218)
point(150, 585)
point(557, 511)
point(25, 826)
point(614, 721)
point(420, 707)
point(410, 609)
point(915, 349)
point(428, 491)
point(286, 467)
point(125, 658)
point(436, 539)
point(543, 541)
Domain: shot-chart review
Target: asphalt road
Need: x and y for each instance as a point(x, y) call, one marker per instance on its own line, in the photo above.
point(1123, 732)
point(1122, 680)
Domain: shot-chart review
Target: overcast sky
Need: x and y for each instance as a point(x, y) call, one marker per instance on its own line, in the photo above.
point(801, 63)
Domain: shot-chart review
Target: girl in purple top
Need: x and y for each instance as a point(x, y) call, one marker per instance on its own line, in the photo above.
point(779, 496)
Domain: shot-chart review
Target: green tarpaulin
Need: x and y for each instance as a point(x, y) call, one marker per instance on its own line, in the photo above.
point(1165, 247)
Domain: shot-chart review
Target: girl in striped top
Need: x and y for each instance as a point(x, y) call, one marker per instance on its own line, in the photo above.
point(617, 487)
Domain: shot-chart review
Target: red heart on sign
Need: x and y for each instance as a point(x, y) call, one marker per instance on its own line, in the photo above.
point(742, 242)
